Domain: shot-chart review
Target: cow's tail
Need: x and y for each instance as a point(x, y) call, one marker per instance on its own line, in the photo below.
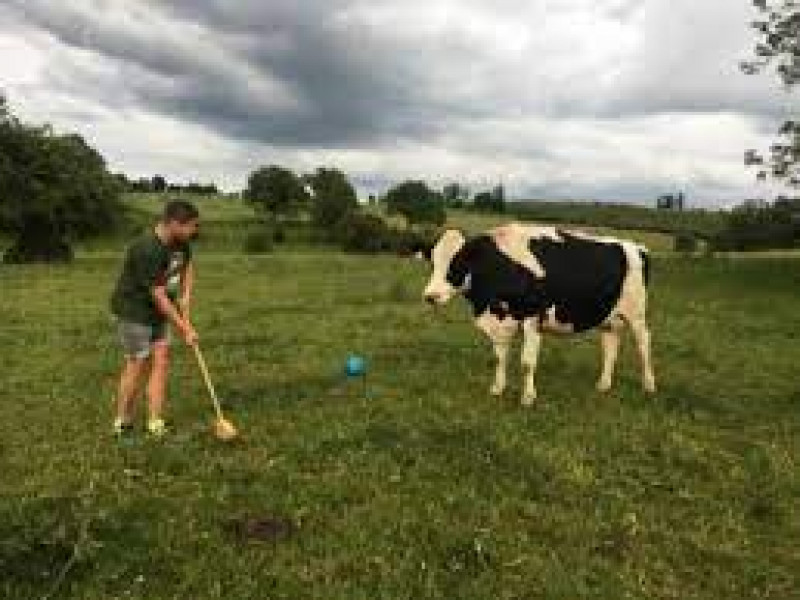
point(645, 255)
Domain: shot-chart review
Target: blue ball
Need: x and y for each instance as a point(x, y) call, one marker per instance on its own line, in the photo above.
point(355, 366)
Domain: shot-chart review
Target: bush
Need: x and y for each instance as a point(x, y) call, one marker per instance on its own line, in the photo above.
point(686, 242)
point(259, 241)
point(754, 236)
point(370, 234)
point(363, 233)
point(406, 242)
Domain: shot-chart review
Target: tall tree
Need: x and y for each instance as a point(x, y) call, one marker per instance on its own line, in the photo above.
point(52, 188)
point(159, 183)
point(332, 197)
point(275, 190)
point(491, 201)
point(455, 194)
point(778, 50)
point(418, 203)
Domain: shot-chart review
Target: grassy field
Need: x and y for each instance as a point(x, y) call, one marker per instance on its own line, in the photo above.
point(419, 485)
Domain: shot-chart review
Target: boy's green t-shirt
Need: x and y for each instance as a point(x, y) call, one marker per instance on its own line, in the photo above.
point(148, 263)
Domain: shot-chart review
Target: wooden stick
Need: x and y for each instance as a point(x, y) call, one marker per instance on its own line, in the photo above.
point(207, 378)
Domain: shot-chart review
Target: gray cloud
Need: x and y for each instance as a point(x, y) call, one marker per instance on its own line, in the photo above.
point(540, 94)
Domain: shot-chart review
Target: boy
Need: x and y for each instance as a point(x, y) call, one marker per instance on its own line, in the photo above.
point(157, 272)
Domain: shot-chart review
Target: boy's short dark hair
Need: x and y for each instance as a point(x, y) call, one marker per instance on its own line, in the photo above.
point(180, 211)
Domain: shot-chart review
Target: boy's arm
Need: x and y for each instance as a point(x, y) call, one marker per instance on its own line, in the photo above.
point(166, 308)
point(187, 286)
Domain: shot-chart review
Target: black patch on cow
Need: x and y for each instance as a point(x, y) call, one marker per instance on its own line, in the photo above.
point(583, 277)
point(496, 282)
point(583, 280)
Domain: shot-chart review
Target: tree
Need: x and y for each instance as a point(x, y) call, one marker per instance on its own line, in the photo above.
point(499, 198)
point(159, 184)
point(276, 191)
point(52, 188)
point(415, 201)
point(778, 48)
point(491, 201)
point(332, 197)
point(455, 195)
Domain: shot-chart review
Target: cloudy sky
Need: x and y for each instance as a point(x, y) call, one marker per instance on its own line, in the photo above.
point(603, 99)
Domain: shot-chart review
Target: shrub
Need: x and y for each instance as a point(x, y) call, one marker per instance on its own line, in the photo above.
point(371, 234)
point(686, 242)
point(259, 241)
point(754, 236)
point(363, 233)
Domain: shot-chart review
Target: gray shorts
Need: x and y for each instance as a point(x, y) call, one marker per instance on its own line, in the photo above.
point(137, 340)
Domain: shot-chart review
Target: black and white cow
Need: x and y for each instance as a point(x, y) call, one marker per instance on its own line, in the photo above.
point(546, 280)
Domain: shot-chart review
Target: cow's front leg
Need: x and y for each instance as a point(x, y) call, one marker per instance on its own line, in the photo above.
point(501, 333)
point(501, 349)
point(530, 358)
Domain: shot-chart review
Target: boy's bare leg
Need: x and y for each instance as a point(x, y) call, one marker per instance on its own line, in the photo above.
point(157, 385)
point(128, 386)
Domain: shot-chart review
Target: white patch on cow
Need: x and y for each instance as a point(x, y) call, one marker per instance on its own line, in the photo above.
point(439, 290)
point(513, 240)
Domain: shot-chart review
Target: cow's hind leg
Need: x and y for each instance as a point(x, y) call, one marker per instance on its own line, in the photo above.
point(530, 357)
point(610, 340)
point(641, 332)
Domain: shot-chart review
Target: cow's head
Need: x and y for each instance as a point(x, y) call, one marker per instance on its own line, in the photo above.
point(450, 273)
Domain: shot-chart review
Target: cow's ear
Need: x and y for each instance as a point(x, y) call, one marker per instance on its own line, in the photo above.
point(422, 251)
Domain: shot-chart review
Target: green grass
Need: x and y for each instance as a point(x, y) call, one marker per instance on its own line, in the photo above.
point(425, 487)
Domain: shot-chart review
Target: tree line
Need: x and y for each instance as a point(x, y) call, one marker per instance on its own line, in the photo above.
point(158, 184)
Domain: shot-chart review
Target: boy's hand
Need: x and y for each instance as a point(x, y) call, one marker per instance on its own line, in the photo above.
point(183, 305)
point(189, 334)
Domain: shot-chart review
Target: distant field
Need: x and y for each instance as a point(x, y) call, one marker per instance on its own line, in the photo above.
point(213, 208)
point(475, 222)
point(703, 223)
point(425, 487)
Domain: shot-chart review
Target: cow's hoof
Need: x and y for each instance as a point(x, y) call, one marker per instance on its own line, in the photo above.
point(528, 400)
point(650, 388)
point(603, 386)
point(497, 391)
